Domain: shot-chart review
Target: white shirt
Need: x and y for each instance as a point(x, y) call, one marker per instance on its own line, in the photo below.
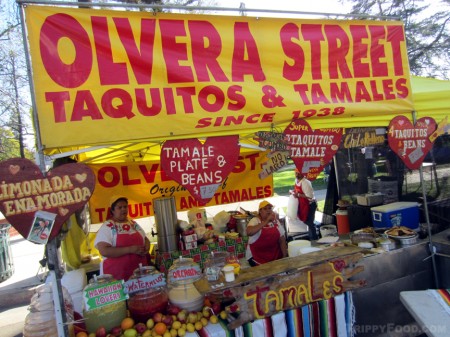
point(306, 186)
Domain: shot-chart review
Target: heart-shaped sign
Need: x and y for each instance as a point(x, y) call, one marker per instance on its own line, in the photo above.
point(411, 142)
point(200, 167)
point(311, 150)
point(25, 190)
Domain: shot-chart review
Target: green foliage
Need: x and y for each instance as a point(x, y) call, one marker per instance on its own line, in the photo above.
point(283, 181)
point(427, 28)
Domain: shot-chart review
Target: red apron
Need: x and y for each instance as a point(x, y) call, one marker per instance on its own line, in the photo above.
point(303, 204)
point(267, 248)
point(122, 267)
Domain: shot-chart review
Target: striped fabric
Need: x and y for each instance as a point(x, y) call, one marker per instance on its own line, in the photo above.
point(328, 318)
point(442, 296)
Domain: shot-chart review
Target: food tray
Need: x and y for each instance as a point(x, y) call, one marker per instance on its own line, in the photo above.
point(406, 239)
point(362, 237)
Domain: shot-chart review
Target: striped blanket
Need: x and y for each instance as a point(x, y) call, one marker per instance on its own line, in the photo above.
point(328, 318)
point(442, 296)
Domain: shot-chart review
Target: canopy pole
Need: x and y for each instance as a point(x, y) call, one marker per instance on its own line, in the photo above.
point(241, 10)
point(427, 219)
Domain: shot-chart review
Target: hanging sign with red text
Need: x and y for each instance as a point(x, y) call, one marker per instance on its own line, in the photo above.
point(25, 191)
point(200, 167)
point(311, 150)
point(411, 142)
point(275, 161)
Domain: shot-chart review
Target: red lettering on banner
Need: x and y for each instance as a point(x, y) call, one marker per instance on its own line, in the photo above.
point(294, 51)
point(338, 49)
point(55, 28)
point(140, 58)
point(370, 91)
point(313, 34)
point(382, 39)
point(110, 72)
point(361, 69)
point(246, 60)
point(85, 105)
point(206, 48)
point(171, 32)
point(235, 120)
point(377, 52)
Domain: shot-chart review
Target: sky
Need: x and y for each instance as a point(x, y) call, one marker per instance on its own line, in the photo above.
point(319, 6)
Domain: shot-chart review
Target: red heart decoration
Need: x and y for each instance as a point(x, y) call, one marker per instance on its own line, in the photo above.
point(411, 142)
point(311, 150)
point(200, 168)
point(25, 190)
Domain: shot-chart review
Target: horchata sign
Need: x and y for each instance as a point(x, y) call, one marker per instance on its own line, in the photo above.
point(164, 75)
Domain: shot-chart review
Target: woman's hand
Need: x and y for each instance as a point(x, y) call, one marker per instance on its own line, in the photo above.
point(138, 250)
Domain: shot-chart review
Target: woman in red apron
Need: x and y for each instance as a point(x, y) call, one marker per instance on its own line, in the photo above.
point(121, 242)
point(304, 192)
point(267, 240)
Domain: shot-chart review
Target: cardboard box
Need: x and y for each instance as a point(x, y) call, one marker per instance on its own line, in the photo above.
point(370, 199)
point(190, 245)
point(396, 214)
point(190, 238)
point(388, 187)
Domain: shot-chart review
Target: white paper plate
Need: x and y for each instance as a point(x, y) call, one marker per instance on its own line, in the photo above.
point(328, 239)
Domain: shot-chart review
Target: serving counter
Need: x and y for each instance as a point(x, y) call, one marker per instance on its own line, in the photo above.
point(235, 246)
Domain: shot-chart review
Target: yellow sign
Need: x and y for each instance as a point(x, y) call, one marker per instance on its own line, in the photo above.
point(143, 182)
point(110, 76)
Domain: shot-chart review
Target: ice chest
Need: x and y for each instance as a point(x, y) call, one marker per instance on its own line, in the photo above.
point(396, 214)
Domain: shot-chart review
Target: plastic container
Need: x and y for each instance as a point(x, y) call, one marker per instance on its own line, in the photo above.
point(294, 247)
point(182, 291)
point(343, 223)
point(214, 264)
point(108, 316)
point(328, 230)
point(396, 214)
point(144, 303)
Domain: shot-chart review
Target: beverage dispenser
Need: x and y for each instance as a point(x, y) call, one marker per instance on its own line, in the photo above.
point(166, 223)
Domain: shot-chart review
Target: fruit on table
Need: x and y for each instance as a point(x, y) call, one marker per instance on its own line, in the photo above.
point(140, 328)
point(130, 332)
point(101, 332)
point(127, 323)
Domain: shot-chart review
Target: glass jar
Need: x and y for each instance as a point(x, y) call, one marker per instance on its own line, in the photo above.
point(214, 264)
point(182, 291)
point(144, 303)
point(107, 316)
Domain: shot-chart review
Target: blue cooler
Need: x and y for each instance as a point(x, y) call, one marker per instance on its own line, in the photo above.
point(396, 214)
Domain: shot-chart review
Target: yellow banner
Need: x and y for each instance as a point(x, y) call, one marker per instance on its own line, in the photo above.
point(142, 182)
point(104, 76)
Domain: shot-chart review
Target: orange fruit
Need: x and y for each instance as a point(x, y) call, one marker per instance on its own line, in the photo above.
point(160, 328)
point(127, 323)
point(81, 334)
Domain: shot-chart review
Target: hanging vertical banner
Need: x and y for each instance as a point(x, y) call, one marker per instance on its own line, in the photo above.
point(411, 142)
point(311, 150)
point(200, 167)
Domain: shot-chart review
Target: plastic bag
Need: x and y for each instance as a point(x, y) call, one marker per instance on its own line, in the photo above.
point(221, 219)
point(292, 207)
